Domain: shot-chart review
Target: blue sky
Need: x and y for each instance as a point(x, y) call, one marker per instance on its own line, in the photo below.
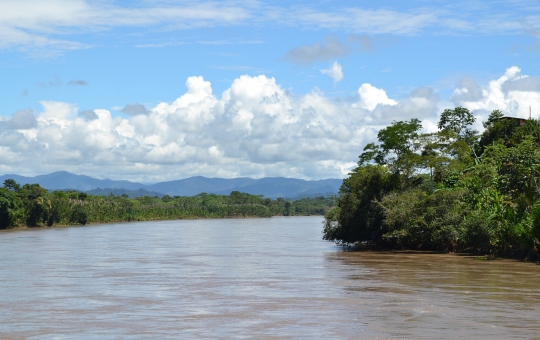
point(96, 87)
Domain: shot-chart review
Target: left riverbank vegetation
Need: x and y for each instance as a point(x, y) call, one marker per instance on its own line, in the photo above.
point(452, 190)
point(31, 205)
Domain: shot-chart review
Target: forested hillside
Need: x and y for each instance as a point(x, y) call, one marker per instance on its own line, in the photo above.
point(453, 190)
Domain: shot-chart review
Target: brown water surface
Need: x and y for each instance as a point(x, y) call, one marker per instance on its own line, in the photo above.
point(252, 278)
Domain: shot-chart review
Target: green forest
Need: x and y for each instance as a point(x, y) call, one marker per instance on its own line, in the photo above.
point(31, 205)
point(454, 190)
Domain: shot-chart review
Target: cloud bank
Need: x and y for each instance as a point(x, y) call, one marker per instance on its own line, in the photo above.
point(255, 128)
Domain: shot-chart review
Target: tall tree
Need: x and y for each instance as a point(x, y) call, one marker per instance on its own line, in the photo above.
point(11, 185)
point(397, 148)
point(459, 122)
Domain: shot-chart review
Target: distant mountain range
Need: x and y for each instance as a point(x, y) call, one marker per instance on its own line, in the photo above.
point(272, 187)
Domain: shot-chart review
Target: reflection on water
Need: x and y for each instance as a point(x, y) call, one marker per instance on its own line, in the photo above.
point(263, 278)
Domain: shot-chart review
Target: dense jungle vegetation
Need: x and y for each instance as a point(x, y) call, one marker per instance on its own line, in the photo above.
point(453, 190)
point(31, 205)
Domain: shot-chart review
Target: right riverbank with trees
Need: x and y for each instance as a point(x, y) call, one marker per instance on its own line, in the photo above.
point(452, 190)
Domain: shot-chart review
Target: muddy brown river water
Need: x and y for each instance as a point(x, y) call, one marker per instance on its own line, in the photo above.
point(250, 278)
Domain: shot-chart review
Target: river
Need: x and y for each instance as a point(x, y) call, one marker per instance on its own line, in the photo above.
point(250, 278)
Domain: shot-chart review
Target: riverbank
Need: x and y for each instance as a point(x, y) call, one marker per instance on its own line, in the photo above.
point(533, 257)
point(33, 206)
point(56, 225)
point(450, 190)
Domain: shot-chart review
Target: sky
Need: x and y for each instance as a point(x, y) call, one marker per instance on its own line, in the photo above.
point(156, 90)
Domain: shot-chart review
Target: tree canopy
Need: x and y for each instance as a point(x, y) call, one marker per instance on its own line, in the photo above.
point(32, 206)
point(453, 190)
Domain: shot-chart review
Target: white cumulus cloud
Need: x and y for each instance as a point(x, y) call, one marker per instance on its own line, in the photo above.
point(511, 93)
point(255, 128)
point(334, 71)
point(371, 96)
